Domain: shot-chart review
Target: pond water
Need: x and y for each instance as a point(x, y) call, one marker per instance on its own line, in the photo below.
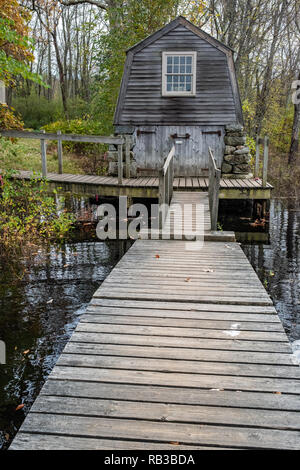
point(39, 314)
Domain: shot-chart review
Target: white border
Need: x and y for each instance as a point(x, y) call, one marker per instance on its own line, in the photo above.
point(164, 91)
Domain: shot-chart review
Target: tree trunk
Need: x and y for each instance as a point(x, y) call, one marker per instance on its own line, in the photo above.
point(294, 148)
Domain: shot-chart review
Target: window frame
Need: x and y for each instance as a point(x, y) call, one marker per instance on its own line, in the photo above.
point(165, 55)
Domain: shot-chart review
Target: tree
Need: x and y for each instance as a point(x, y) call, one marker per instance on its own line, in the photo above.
point(294, 147)
point(15, 45)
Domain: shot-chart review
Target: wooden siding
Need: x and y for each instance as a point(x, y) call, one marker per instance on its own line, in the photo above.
point(141, 100)
point(191, 156)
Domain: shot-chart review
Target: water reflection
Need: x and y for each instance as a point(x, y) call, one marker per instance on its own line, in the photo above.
point(278, 266)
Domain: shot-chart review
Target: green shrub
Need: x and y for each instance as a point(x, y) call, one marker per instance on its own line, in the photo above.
point(79, 126)
point(29, 218)
point(36, 111)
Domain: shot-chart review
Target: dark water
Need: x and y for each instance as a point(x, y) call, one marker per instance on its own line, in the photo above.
point(40, 313)
point(278, 264)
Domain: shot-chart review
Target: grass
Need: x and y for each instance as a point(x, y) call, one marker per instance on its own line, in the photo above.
point(25, 154)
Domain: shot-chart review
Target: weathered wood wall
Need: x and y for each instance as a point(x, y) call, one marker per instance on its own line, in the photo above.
point(141, 101)
point(192, 156)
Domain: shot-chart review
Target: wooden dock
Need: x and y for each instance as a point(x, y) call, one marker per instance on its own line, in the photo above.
point(147, 187)
point(178, 349)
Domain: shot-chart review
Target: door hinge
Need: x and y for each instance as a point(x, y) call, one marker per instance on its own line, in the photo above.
point(219, 133)
point(176, 136)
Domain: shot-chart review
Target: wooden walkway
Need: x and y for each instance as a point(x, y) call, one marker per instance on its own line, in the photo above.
point(177, 350)
point(237, 188)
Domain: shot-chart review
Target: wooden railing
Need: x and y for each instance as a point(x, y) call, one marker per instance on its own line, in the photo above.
point(166, 177)
point(213, 190)
point(59, 137)
point(265, 142)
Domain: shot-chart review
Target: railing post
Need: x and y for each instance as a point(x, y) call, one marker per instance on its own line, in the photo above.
point(44, 156)
point(59, 154)
point(215, 203)
point(127, 156)
point(120, 164)
point(256, 173)
point(213, 191)
point(265, 164)
point(161, 198)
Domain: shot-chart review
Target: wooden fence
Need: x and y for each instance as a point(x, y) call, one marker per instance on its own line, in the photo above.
point(213, 190)
point(166, 178)
point(59, 137)
point(265, 142)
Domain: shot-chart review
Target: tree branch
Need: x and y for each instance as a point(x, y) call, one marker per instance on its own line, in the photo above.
point(97, 3)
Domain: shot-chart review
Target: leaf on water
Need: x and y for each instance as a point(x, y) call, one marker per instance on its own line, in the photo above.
point(19, 407)
point(50, 301)
point(26, 352)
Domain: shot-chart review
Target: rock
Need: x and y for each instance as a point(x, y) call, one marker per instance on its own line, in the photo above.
point(112, 168)
point(112, 156)
point(242, 151)
point(235, 140)
point(233, 127)
point(242, 168)
point(237, 159)
point(229, 149)
point(226, 168)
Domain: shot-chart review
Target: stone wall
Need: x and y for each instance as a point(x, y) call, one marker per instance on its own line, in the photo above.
point(237, 154)
point(113, 158)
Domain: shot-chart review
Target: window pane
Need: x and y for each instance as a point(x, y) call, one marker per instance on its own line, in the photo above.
point(169, 68)
point(182, 69)
point(188, 69)
point(182, 60)
point(176, 69)
point(176, 60)
point(169, 86)
point(181, 78)
point(189, 59)
point(169, 59)
point(189, 78)
point(188, 87)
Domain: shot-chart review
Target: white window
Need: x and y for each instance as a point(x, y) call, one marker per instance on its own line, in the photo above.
point(179, 73)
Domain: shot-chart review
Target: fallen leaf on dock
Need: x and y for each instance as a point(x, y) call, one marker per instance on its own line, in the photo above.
point(174, 443)
point(19, 407)
point(187, 279)
point(277, 393)
point(157, 256)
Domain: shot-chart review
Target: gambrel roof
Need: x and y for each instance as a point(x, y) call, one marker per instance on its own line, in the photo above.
point(173, 24)
point(217, 100)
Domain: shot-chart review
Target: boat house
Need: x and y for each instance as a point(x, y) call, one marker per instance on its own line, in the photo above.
point(179, 85)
